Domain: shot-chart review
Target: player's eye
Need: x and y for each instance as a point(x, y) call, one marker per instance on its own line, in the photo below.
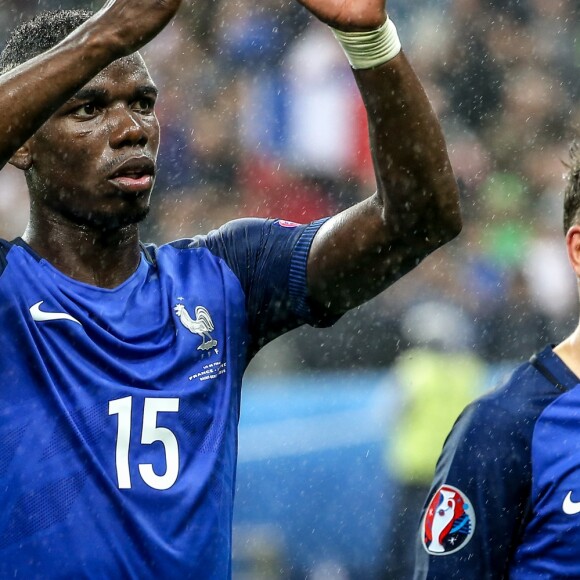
point(144, 105)
point(86, 111)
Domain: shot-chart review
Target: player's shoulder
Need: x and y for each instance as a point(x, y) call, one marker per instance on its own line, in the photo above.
point(539, 381)
point(242, 228)
point(246, 229)
point(521, 397)
point(212, 245)
point(244, 239)
point(7, 246)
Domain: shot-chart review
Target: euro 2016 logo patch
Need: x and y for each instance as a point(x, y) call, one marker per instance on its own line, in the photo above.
point(449, 522)
point(287, 224)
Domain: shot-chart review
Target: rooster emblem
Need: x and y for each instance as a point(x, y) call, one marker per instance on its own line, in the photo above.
point(202, 325)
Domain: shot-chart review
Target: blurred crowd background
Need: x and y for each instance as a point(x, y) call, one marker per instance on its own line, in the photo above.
point(261, 117)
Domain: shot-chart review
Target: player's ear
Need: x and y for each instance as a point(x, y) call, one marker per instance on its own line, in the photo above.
point(22, 159)
point(573, 247)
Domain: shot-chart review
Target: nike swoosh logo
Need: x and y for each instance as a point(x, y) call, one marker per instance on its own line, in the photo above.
point(39, 315)
point(570, 507)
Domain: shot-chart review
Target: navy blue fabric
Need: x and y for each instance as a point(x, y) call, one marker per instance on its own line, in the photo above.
point(494, 455)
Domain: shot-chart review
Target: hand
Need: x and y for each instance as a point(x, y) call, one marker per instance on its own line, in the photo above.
point(348, 15)
point(130, 24)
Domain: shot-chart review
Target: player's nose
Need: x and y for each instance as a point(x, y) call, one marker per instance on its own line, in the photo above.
point(126, 129)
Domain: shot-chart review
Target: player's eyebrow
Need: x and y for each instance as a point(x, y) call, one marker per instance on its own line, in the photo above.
point(97, 94)
point(147, 90)
point(89, 94)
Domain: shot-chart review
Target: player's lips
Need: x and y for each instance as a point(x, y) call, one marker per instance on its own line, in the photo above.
point(134, 175)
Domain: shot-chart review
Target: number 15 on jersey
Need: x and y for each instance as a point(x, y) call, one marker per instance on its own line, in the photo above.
point(150, 433)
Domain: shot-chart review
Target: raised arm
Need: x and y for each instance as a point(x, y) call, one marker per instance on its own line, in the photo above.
point(415, 210)
point(33, 91)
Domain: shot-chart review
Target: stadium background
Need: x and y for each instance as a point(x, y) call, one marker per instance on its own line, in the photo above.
point(261, 117)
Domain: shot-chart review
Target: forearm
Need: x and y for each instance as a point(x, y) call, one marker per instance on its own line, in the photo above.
point(33, 91)
point(361, 251)
point(414, 176)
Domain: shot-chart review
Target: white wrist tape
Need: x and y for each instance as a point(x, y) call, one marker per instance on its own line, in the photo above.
point(370, 48)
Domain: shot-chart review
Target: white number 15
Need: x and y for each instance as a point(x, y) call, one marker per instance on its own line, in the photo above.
point(149, 434)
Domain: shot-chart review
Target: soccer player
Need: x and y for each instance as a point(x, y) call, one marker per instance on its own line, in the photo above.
point(505, 501)
point(121, 361)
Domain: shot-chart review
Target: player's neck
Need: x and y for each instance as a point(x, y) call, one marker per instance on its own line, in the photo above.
point(104, 258)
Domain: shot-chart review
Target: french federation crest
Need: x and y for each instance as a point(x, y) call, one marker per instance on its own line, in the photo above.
point(449, 522)
point(201, 325)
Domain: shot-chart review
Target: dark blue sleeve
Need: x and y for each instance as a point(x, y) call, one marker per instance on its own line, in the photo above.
point(477, 505)
point(269, 258)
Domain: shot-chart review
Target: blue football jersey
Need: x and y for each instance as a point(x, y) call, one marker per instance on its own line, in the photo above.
point(505, 501)
point(119, 407)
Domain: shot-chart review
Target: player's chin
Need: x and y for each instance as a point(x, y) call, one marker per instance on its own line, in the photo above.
point(111, 220)
point(122, 219)
point(120, 211)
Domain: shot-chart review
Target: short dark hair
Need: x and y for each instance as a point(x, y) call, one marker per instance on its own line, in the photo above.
point(39, 34)
point(572, 191)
